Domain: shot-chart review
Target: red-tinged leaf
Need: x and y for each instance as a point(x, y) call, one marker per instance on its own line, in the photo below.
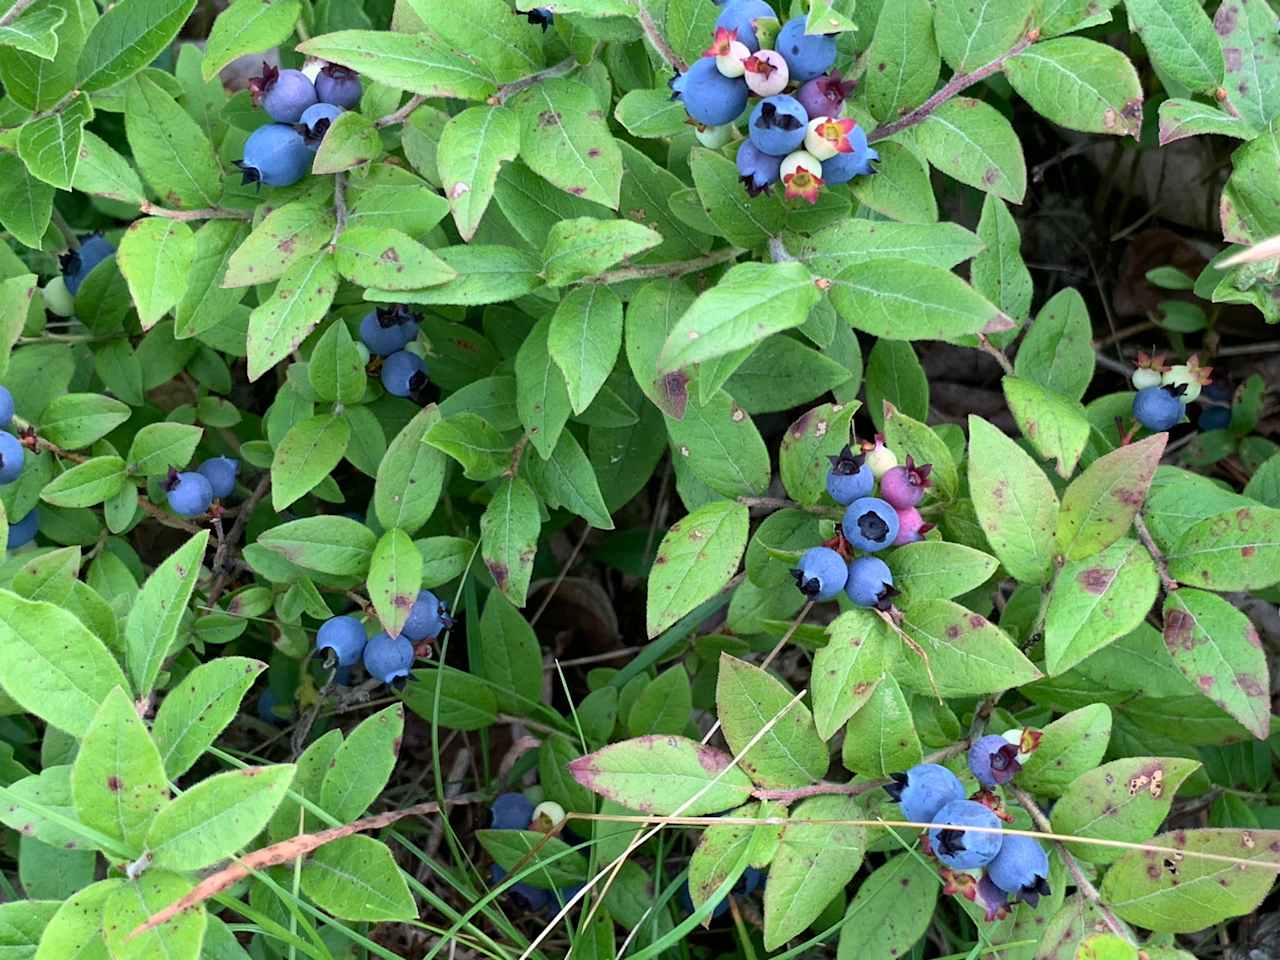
point(1099, 506)
point(663, 775)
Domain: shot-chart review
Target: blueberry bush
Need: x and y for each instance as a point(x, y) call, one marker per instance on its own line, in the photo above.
point(639, 478)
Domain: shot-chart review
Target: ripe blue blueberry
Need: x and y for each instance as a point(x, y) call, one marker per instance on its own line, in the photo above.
point(283, 94)
point(710, 97)
point(78, 264)
point(276, 155)
point(12, 457)
point(859, 162)
point(387, 659)
point(387, 330)
point(904, 487)
point(824, 96)
point(743, 16)
point(404, 374)
point(315, 123)
point(338, 86)
point(924, 790)
point(24, 531)
point(510, 811)
point(993, 760)
point(221, 474)
point(6, 407)
point(534, 898)
point(821, 574)
point(849, 478)
point(344, 637)
point(870, 583)
point(427, 617)
point(1021, 868)
point(266, 709)
point(686, 902)
point(758, 170)
point(960, 848)
point(808, 56)
point(1215, 418)
point(870, 524)
point(1157, 408)
point(778, 125)
point(189, 493)
point(538, 16)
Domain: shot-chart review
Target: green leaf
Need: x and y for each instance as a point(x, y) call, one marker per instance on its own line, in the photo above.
point(1122, 800)
point(338, 546)
point(646, 197)
point(518, 850)
point(1070, 746)
point(360, 769)
point(75, 930)
point(198, 709)
point(466, 703)
point(86, 484)
point(395, 577)
point(901, 189)
point(1015, 503)
point(180, 938)
point(129, 36)
point(509, 537)
point(306, 456)
point(75, 420)
point(467, 437)
point(1180, 41)
point(813, 864)
point(806, 446)
point(696, 558)
point(351, 141)
point(34, 800)
point(1235, 550)
point(155, 258)
point(894, 375)
point(750, 302)
point(1099, 506)
point(971, 35)
point(1180, 119)
point(51, 665)
point(335, 370)
point(410, 476)
point(1097, 600)
point(910, 301)
point(473, 146)
point(26, 204)
point(967, 654)
point(38, 83)
point(664, 705)
point(851, 241)
point(858, 652)
point(118, 780)
point(973, 142)
point(216, 817)
point(22, 922)
point(157, 447)
point(152, 628)
point(722, 855)
point(937, 569)
point(1247, 34)
point(279, 324)
point(902, 60)
point(586, 246)
point(1055, 427)
point(488, 33)
point(171, 150)
point(1079, 84)
point(1218, 649)
point(790, 754)
point(721, 445)
point(565, 138)
point(891, 910)
point(1057, 351)
point(206, 304)
point(35, 32)
point(744, 220)
point(286, 235)
point(50, 146)
point(881, 736)
point(583, 338)
point(650, 113)
point(508, 654)
point(356, 878)
point(542, 396)
point(999, 272)
point(664, 774)
point(419, 63)
point(1152, 891)
point(567, 479)
point(247, 26)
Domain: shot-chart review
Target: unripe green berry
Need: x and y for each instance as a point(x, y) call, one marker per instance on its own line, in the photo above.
point(58, 300)
point(1145, 377)
point(881, 460)
point(1180, 375)
point(546, 816)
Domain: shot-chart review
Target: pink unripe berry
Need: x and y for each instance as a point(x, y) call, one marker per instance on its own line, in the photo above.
point(905, 486)
point(879, 457)
point(911, 526)
point(767, 73)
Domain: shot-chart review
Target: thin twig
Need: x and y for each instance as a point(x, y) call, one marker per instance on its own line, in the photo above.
point(339, 207)
point(994, 351)
point(766, 505)
point(564, 571)
point(1157, 554)
point(659, 270)
point(509, 90)
point(778, 251)
point(14, 12)
point(401, 115)
point(220, 567)
point(206, 213)
point(659, 41)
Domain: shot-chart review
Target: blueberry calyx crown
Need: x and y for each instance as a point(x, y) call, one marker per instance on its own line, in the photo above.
point(171, 481)
point(884, 599)
point(846, 463)
point(951, 841)
point(394, 316)
point(753, 190)
point(248, 174)
point(538, 16)
point(894, 790)
point(1004, 763)
point(770, 117)
point(337, 72)
point(315, 133)
point(872, 526)
point(834, 88)
point(70, 263)
point(258, 86)
point(810, 586)
point(918, 476)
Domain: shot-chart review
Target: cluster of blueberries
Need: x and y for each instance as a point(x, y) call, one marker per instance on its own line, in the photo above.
point(12, 457)
point(60, 292)
point(386, 332)
point(870, 524)
point(514, 811)
point(279, 154)
point(797, 138)
point(342, 641)
point(1164, 392)
point(985, 865)
point(192, 492)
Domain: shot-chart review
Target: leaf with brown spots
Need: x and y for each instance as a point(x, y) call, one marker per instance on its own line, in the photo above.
point(802, 454)
point(280, 323)
point(881, 736)
point(395, 577)
point(199, 708)
point(1099, 506)
point(560, 124)
point(363, 764)
point(650, 315)
point(509, 537)
point(696, 558)
point(286, 235)
point(975, 144)
point(1170, 894)
point(388, 259)
point(790, 753)
point(968, 654)
point(154, 618)
point(473, 146)
point(1055, 427)
point(1251, 50)
point(1235, 550)
point(1080, 84)
point(1218, 649)
point(891, 910)
point(664, 774)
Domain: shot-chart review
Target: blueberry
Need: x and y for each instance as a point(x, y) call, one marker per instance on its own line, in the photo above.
point(870, 524)
point(1157, 408)
point(338, 86)
point(911, 527)
point(849, 477)
point(546, 816)
point(993, 760)
point(344, 637)
point(539, 17)
point(58, 300)
point(78, 264)
point(821, 574)
point(404, 374)
point(808, 56)
point(386, 659)
point(924, 790)
point(958, 847)
point(710, 97)
point(743, 16)
point(824, 96)
point(879, 457)
point(1215, 418)
point(766, 73)
point(12, 457)
point(686, 903)
point(1021, 868)
point(221, 474)
point(266, 709)
point(24, 531)
point(315, 123)
point(1145, 377)
point(802, 176)
point(283, 94)
point(828, 136)
point(535, 898)
point(730, 53)
point(190, 494)
point(387, 330)
point(870, 583)
point(905, 486)
point(751, 879)
point(511, 811)
point(758, 170)
point(427, 617)
point(778, 125)
point(1190, 376)
point(843, 167)
point(276, 155)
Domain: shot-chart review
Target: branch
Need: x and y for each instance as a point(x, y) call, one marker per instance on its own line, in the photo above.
point(765, 505)
point(339, 207)
point(857, 787)
point(659, 270)
point(220, 566)
point(660, 42)
point(999, 355)
point(509, 90)
point(957, 84)
point(1157, 555)
point(401, 115)
point(207, 213)
point(14, 12)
